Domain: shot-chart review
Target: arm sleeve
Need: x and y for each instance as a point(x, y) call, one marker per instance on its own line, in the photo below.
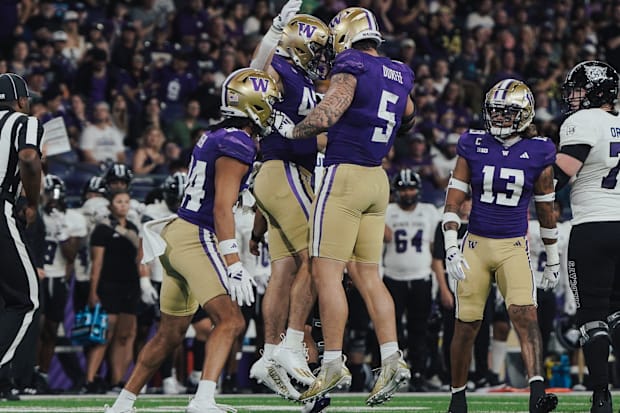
point(29, 133)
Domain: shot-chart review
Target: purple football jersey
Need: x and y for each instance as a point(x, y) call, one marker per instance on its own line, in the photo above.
point(365, 132)
point(299, 99)
point(502, 181)
point(197, 204)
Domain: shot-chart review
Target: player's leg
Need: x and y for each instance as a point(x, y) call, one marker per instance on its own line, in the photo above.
point(334, 223)
point(470, 298)
point(121, 348)
point(366, 257)
point(284, 195)
point(55, 297)
point(591, 271)
point(516, 282)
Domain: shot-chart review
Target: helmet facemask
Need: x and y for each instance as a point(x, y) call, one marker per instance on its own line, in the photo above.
point(306, 41)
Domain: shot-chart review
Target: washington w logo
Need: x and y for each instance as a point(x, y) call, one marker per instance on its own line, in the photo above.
point(335, 21)
point(306, 30)
point(259, 84)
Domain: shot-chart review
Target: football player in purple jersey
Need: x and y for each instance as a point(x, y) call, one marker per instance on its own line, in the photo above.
point(201, 258)
point(505, 167)
point(367, 102)
point(283, 191)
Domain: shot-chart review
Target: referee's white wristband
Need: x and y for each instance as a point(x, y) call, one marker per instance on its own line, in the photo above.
point(229, 246)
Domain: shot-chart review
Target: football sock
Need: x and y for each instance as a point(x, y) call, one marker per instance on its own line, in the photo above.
point(205, 392)
point(293, 338)
point(458, 403)
point(498, 355)
point(268, 350)
point(124, 401)
point(331, 355)
point(387, 349)
point(537, 390)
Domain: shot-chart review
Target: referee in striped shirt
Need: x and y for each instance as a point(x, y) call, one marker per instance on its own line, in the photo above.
point(20, 167)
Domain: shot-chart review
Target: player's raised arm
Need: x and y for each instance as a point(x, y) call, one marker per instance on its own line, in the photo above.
point(264, 52)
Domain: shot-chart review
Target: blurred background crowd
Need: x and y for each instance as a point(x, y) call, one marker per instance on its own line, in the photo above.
point(138, 81)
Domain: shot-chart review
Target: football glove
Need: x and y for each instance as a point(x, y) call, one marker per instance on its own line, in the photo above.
point(289, 10)
point(551, 276)
point(240, 283)
point(149, 293)
point(283, 124)
point(455, 262)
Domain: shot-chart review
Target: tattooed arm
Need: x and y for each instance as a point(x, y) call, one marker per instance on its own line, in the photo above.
point(544, 197)
point(336, 101)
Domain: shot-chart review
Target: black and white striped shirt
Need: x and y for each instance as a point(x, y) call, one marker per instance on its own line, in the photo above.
point(17, 132)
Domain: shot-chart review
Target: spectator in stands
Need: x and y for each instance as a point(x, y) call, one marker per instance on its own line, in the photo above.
point(150, 157)
point(17, 64)
point(93, 79)
point(191, 20)
point(252, 24)
point(125, 47)
point(120, 114)
point(75, 119)
point(76, 44)
point(102, 141)
point(115, 285)
point(174, 83)
point(145, 17)
point(180, 130)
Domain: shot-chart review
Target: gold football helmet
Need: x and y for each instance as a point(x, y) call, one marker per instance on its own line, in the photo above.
point(508, 108)
point(305, 40)
point(250, 93)
point(352, 25)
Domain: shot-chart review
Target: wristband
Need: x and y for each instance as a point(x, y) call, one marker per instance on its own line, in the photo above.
point(550, 197)
point(450, 217)
point(229, 246)
point(553, 257)
point(549, 233)
point(450, 239)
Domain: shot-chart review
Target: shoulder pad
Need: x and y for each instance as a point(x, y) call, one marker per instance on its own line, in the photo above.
point(350, 61)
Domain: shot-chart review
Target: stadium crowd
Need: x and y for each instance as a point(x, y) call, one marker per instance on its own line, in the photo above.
point(137, 83)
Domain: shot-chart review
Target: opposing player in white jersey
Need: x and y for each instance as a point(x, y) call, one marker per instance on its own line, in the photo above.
point(94, 204)
point(545, 295)
point(409, 233)
point(65, 231)
point(589, 151)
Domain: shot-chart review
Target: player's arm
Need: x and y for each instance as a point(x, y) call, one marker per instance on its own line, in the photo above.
point(258, 232)
point(337, 100)
point(568, 162)
point(229, 173)
point(544, 195)
point(96, 254)
point(408, 119)
point(458, 187)
point(267, 46)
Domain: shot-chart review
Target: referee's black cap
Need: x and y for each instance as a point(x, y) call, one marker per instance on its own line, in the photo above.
point(13, 87)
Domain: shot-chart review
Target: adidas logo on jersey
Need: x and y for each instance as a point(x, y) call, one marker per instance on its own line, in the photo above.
point(524, 155)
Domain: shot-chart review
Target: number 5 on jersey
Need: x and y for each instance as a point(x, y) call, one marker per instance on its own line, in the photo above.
point(382, 135)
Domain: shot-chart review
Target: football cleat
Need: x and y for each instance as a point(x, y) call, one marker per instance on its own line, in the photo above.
point(394, 374)
point(317, 406)
point(333, 375)
point(294, 361)
point(108, 409)
point(547, 403)
point(273, 376)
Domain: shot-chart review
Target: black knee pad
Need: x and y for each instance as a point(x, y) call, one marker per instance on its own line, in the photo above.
point(593, 330)
point(613, 321)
